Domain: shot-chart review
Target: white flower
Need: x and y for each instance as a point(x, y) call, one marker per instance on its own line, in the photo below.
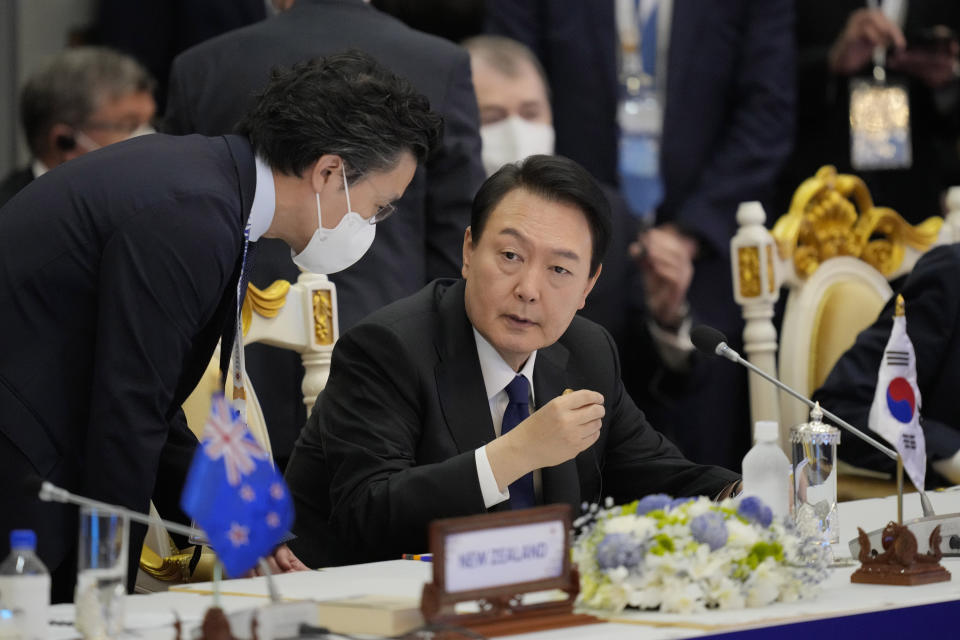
point(741, 535)
point(610, 596)
point(763, 585)
point(726, 594)
point(698, 507)
point(680, 596)
point(618, 575)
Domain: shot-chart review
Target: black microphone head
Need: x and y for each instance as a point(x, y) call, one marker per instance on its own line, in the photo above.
point(706, 338)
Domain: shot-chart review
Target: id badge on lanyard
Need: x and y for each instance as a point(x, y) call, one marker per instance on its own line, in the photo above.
point(238, 396)
point(880, 113)
point(879, 125)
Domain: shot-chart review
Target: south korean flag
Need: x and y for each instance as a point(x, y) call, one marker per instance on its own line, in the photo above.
point(895, 412)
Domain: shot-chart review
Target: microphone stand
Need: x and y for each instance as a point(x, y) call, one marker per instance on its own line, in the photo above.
point(50, 492)
point(722, 349)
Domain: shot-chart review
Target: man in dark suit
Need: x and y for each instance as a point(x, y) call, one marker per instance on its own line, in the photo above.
point(724, 69)
point(209, 87)
point(835, 44)
point(80, 100)
point(932, 296)
point(119, 273)
point(427, 410)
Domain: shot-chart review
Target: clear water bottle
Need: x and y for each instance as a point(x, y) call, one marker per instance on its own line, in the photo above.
point(640, 119)
point(766, 470)
point(25, 585)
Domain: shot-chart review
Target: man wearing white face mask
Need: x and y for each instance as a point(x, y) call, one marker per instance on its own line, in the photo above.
point(120, 271)
point(79, 101)
point(641, 299)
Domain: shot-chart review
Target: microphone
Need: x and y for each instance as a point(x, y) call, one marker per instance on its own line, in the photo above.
point(49, 492)
point(709, 340)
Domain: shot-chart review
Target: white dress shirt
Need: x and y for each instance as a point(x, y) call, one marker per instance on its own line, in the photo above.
point(497, 374)
point(264, 201)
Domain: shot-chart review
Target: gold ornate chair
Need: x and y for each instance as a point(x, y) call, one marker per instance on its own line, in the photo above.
point(301, 317)
point(835, 251)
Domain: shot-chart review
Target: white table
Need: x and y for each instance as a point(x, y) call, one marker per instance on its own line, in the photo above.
point(152, 615)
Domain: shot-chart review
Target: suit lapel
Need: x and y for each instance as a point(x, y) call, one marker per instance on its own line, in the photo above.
point(550, 377)
point(462, 394)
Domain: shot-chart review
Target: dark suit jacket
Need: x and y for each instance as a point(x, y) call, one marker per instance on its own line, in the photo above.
point(823, 113)
point(390, 444)
point(932, 296)
point(211, 86)
point(155, 31)
point(14, 182)
point(727, 130)
point(118, 271)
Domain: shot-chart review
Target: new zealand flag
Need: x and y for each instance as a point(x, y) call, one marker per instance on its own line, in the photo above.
point(234, 493)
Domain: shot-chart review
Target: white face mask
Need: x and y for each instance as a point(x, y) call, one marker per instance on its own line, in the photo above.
point(333, 250)
point(90, 145)
point(514, 139)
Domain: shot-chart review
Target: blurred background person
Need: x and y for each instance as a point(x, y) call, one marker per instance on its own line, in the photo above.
point(155, 31)
point(721, 71)
point(644, 308)
point(836, 43)
point(82, 99)
point(211, 84)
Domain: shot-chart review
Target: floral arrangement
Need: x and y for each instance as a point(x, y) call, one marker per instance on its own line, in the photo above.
point(687, 554)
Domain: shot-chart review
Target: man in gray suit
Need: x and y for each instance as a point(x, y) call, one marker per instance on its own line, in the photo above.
point(211, 84)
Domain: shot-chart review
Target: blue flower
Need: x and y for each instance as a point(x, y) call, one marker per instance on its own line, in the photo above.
point(619, 550)
point(709, 528)
point(677, 502)
point(754, 510)
point(652, 503)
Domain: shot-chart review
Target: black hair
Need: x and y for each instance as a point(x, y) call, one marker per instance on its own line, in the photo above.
point(345, 104)
point(553, 178)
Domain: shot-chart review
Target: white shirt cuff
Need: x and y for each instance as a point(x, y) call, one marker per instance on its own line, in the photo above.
point(488, 484)
point(674, 348)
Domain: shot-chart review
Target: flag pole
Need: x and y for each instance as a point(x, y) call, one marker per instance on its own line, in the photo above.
point(899, 489)
point(217, 578)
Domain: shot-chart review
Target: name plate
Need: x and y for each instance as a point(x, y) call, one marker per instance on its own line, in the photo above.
point(504, 555)
point(494, 559)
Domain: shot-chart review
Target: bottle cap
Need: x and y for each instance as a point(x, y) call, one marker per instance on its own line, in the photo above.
point(23, 539)
point(766, 431)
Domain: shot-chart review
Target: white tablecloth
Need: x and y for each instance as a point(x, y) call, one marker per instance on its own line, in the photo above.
point(152, 616)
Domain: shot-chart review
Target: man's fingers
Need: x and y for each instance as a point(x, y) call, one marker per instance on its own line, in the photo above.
point(288, 561)
point(580, 398)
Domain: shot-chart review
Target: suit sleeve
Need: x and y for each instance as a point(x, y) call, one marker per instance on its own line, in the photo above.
point(161, 279)
point(758, 136)
point(638, 460)
point(454, 173)
point(932, 295)
point(371, 428)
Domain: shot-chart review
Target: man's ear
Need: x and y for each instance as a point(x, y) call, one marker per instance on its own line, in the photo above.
point(326, 170)
point(467, 252)
point(590, 285)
